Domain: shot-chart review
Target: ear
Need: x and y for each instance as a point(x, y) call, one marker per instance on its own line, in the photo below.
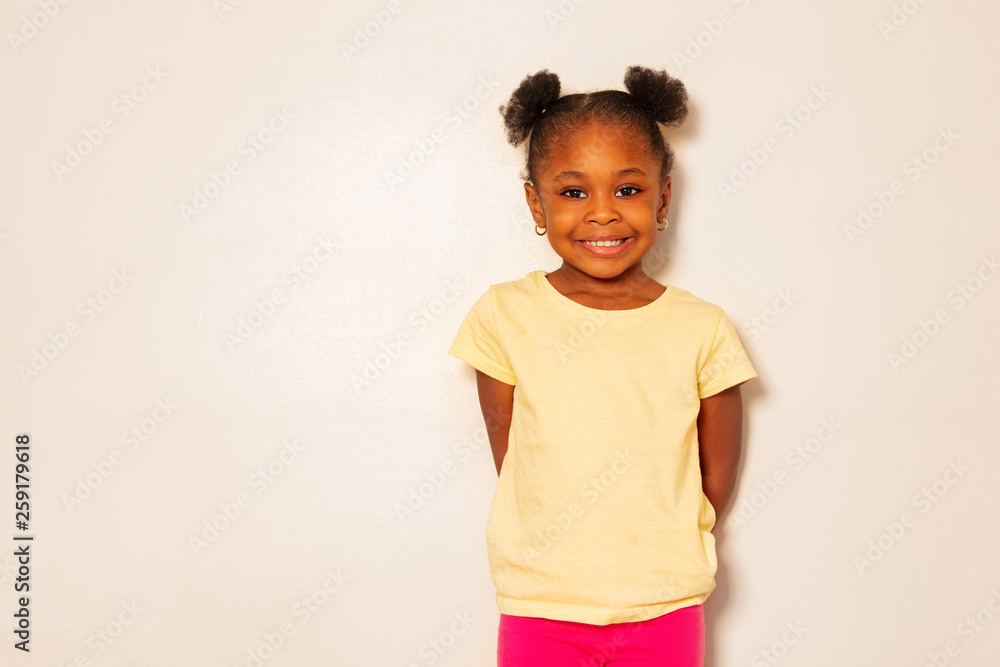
point(661, 212)
point(534, 204)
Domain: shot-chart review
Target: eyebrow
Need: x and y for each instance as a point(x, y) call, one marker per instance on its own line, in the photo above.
point(569, 175)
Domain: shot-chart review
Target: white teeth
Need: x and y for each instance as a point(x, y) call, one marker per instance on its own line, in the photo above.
point(605, 244)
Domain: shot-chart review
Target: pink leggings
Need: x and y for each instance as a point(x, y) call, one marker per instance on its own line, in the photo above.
point(676, 639)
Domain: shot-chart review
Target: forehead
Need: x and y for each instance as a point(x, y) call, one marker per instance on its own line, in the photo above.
point(595, 145)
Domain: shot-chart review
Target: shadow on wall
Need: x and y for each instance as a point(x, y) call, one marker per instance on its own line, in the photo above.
point(717, 602)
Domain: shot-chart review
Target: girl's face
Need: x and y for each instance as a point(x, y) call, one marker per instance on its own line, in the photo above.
point(600, 184)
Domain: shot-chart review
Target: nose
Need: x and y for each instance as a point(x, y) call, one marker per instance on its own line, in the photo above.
point(603, 209)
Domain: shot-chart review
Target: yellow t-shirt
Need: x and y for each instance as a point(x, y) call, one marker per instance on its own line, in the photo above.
point(599, 515)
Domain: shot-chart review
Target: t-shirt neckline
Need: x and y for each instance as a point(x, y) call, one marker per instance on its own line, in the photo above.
point(659, 303)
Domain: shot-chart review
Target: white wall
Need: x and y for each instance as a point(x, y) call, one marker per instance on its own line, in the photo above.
point(374, 254)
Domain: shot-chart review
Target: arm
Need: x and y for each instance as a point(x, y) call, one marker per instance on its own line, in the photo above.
point(496, 399)
point(720, 435)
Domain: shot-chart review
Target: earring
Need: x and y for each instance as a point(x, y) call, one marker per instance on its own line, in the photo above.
point(665, 223)
point(540, 233)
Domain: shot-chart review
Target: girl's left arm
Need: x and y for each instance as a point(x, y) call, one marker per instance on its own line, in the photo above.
point(720, 439)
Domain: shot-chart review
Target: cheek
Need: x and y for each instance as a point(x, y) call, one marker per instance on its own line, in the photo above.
point(564, 213)
point(643, 211)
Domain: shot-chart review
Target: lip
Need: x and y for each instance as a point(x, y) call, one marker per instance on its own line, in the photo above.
point(610, 251)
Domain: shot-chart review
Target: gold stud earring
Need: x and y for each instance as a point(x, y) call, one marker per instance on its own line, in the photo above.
point(540, 233)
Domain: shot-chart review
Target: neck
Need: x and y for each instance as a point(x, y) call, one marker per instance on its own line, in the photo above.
point(629, 282)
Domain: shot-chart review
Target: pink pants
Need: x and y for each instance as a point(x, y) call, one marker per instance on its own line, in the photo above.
point(676, 639)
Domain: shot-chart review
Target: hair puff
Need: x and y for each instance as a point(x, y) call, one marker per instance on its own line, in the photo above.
point(662, 96)
point(532, 96)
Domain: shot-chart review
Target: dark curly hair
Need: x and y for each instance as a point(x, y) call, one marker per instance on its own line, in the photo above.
point(536, 113)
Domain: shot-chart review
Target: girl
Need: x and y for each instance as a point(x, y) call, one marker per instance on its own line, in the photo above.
point(612, 402)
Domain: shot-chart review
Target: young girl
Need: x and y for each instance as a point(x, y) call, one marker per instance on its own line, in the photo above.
point(612, 402)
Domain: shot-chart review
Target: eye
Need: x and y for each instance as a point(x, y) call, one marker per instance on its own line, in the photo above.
point(628, 190)
point(573, 193)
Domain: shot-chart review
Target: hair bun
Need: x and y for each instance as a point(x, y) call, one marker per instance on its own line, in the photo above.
point(534, 94)
point(661, 95)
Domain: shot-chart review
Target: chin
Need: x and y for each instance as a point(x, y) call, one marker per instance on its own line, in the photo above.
point(605, 271)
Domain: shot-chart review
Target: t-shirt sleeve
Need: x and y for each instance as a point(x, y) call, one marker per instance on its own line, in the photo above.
point(479, 343)
point(727, 363)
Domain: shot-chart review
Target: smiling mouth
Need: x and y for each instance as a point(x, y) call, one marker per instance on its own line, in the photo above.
point(611, 247)
point(605, 244)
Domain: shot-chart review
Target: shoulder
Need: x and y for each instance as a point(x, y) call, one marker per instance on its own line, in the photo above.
point(517, 293)
point(523, 285)
point(692, 306)
point(702, 319)
point(504, 301)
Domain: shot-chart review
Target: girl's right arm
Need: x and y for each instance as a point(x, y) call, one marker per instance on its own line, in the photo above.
point(496, 399)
